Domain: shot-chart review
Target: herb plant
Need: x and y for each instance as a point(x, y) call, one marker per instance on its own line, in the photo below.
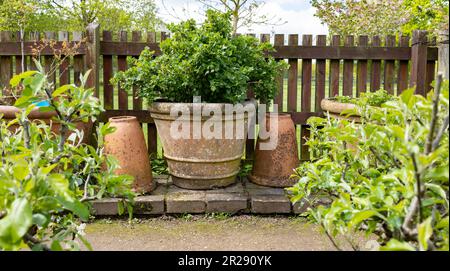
point(387, 176)
point(376, 98)
point(206, 61)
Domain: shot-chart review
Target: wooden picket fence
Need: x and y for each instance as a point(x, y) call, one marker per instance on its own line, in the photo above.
point(342, 66)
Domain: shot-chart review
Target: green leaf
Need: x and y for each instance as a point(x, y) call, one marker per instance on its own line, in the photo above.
point(395, 245)
point(61, 90)
point(40, 220)
point(443, 223)
point(438, 190)
point(17, 222)
point(424, 232)
point(77, 207)
point(20, 172)
point(120, 208)
point(361, 216)
point(406, 95)
point(56, 246)
point(60, 185)
point(85, 242)
point(15, 81)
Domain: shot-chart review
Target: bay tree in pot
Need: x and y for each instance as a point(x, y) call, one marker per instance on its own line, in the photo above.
point(197, 91)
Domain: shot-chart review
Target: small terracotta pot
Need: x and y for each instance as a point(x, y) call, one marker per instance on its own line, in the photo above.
point(274, 167)
point(9, 113)
point(127, 144)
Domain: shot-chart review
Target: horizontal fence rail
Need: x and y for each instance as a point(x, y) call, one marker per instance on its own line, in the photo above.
point(320, 67)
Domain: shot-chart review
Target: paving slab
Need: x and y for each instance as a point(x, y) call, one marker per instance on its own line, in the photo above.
point(107, 206)
point(226, 203)
point(270, 204)
point(180, 203)
point(149, 205)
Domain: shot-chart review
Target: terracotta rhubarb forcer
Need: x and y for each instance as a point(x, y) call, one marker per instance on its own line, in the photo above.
point(335, 108)
point(202, 162)
point(9, 113)
point(274, 167)
point(127, 145)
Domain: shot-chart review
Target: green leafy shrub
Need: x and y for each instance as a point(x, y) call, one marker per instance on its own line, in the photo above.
point(47, 181)
point(206, 61)
point(387, 176)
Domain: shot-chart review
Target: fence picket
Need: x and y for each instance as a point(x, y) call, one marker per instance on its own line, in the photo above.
point(292, 77)
point(108, 88)
point(5, 63)
point(49, 60)
point(347, 85)
point(361, 68)
point(375, 69)
point(122, 66)
point(320, 74)
point(78, 63)
point(402, 78)
point(64, 67)
point(152, 135)
point(334, 69)
point(389, 67)
point(136, 36)
point(279, 41)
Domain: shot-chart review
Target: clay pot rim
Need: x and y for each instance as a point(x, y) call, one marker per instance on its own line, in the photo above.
point(10, 111)
point(331, 105)
point(164, 107)
point(122, 119)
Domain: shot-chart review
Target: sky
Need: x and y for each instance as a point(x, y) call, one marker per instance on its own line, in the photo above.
point(298, 14)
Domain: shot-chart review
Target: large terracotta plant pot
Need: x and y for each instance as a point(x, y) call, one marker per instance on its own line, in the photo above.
point(273, 167)
point(127, 145)
point(9, 113)
point(201, 162)
point(335, 108)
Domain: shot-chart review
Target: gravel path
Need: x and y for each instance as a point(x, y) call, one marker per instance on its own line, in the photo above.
point(188, 233)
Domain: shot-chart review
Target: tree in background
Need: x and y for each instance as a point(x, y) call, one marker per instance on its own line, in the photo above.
point(76, 15)
point(431, 15)
point(382, 17)
point(245, 13)
point(17, 15)
point(361, 17)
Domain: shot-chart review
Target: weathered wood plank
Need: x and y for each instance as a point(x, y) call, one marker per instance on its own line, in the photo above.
point(78, 60)
point(419, 61)
point(93, 57)
point(347, 84)
point(136, 36)
point(402, 78)
point(361, 68)
point(334, 69)
point(5, 63)
point(375, 69)
point(279, 41)
point(389, 68)
point(292, 77)
point(108, 88)
point(122, 66)
point(320, 74)
point(64, 67)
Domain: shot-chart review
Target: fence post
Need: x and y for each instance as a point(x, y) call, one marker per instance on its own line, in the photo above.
point(93, 57)
point(443, 54)
point(419, 61)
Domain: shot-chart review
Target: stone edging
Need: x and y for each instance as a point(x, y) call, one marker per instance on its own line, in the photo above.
point(242, 197)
